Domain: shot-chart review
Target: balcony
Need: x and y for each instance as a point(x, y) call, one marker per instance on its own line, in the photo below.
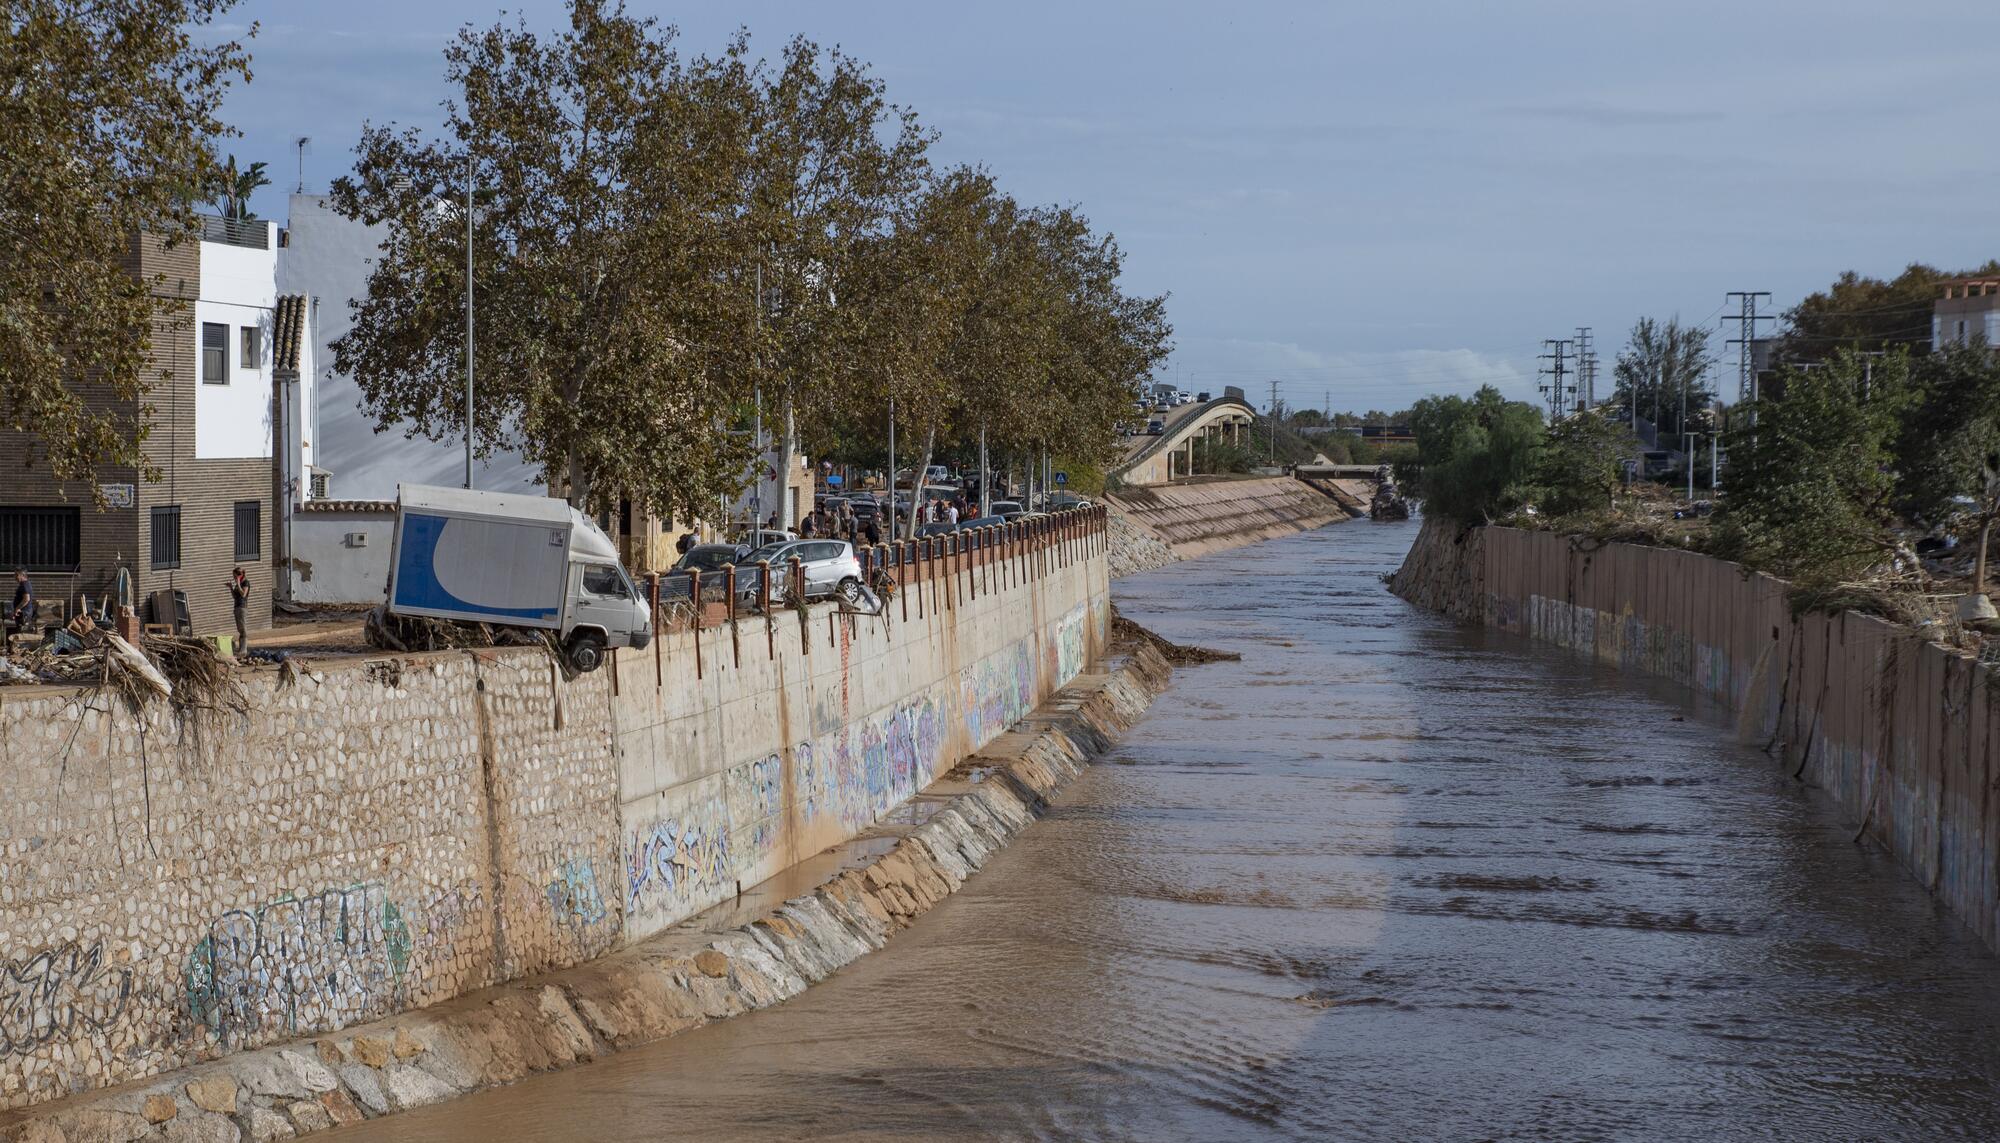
point(251, 234)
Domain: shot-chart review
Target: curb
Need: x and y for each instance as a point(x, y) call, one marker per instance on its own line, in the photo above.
point(712, 967)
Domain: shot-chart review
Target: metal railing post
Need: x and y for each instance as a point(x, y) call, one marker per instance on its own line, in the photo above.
point(694, 585)
point(799, 601)
point(729, 589)
point(764, 605)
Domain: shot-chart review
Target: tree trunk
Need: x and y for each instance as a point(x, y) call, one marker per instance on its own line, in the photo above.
point(916, 484)
point(1979, 564)
point(786, 459)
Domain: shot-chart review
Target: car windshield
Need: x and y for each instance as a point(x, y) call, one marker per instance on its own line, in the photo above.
point(708, 559)
point(768, 552)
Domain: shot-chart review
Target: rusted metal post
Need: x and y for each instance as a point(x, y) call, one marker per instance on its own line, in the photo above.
point(729, 589)
point(903, 579)
point(653, 593)
point(694, 586)
point(799, 600)
point(764, 605)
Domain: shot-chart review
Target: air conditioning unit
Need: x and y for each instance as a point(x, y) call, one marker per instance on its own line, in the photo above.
point(356, 540)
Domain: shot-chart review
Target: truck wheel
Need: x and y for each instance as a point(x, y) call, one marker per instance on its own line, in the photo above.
point(586, 651)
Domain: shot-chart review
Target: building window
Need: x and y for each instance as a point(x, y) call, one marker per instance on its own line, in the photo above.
point(40, 539)
point(166, 537)
point(249, 356)
point(249, 530)
point(214, 353)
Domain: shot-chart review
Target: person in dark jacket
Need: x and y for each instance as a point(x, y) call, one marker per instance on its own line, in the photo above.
point(239, 596)
point(21, 612)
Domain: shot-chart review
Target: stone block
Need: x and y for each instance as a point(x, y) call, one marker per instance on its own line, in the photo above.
point(216, 1092)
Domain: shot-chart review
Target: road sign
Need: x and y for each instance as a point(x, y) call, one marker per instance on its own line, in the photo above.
point(1062, 478)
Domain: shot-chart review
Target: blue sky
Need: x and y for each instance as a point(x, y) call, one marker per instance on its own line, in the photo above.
point(1372, 201)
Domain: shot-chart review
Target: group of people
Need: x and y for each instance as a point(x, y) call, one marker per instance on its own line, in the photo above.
point(841, 523)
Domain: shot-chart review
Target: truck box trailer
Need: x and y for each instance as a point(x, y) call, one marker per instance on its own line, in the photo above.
point(513, 560)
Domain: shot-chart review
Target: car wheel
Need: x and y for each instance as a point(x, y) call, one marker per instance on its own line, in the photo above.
point(850, 589)
point(586, 651)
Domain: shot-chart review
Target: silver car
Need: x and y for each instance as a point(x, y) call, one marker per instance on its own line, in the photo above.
point(830, 566)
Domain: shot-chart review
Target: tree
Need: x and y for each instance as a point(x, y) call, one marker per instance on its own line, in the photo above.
point(1582, 463)
point(107, 110)
point(613, 293)
point(1474, 455)
point(831, 164)
point(1948, 443)
point(1665, 364)
point(232, 189)
point(1863, 314)
point(1808, 479)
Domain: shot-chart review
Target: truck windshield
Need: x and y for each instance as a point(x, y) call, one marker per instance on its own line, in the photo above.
point(604, 579)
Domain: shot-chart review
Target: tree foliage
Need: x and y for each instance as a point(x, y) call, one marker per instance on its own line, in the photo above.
point(1665, 366)
point(1808, 481)
point(1863, 314)
point(230, 188)
point(658, 238)
point(1949, 435)
point(1582, 463)
point(107, 113)
point(1475, 455)
point(610, 263)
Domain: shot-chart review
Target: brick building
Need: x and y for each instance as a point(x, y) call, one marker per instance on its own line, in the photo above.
point(210, 385)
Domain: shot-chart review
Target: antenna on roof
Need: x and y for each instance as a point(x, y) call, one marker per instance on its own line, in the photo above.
point(300, 143)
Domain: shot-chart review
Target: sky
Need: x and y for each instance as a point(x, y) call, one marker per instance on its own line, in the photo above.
point(1362, 203)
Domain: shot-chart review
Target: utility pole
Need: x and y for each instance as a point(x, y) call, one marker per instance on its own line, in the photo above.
point(468, 319)
point(1557, 371)
point(1586, 369)
point(891, 481)
point(1747, 318)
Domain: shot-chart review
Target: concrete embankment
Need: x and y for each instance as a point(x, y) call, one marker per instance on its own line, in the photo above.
point(1157, 524)
point(768, 946)
point(315, 849)
point(1903, 733)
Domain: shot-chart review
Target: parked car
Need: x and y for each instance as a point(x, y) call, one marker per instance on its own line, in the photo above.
point(709, 558)
point(1007, 509)
point(1064, 501)
point(830, 566)
point(865, 508)
point(763, 537)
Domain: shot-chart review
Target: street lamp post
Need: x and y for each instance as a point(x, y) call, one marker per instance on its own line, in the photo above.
point(468, 321)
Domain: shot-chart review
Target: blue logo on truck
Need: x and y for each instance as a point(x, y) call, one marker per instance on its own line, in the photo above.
point(417, 584)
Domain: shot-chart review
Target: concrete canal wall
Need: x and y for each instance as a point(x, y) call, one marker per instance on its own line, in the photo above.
point(1169, 522)
point(369, 836)
point(1901, 732)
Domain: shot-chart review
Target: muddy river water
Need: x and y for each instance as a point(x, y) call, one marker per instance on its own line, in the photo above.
point(1385, 878)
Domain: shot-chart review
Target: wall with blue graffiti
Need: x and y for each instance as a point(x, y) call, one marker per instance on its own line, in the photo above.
point(371, 835)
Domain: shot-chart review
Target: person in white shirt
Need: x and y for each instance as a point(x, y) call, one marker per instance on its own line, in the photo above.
point(951, 513)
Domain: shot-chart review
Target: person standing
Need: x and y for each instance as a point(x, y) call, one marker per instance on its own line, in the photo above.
point(239, 595)
point(20, 613)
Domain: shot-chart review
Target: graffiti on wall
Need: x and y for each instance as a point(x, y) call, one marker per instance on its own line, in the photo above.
point(574, 896)
point(56, 993)
point(300, 964)
point(756, 792)
point(1069, 646)
point(680, 861)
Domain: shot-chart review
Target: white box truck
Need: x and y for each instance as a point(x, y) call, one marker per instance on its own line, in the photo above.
point(513, 560)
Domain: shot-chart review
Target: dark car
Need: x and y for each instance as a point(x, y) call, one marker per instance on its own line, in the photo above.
point(864, 507)
point(709, 560)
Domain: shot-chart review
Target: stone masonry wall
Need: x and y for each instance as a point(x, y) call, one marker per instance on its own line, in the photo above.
point(1903, 733)
point(372, 835)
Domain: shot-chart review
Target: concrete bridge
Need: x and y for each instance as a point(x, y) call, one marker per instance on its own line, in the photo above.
point(1158, 459)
